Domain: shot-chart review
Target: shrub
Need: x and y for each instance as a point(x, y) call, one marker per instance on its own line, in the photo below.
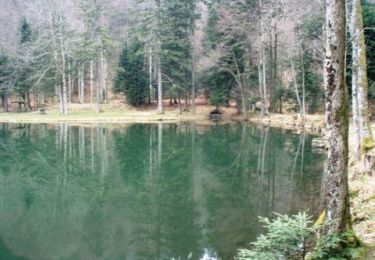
point(290, 238)
point(286, 238)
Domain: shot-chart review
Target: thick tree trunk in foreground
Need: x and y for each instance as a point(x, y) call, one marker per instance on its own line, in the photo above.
point(335, 181)
point(360, 81)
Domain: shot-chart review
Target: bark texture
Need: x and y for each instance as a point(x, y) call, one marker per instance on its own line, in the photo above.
point(361, 117)
point(335, 181)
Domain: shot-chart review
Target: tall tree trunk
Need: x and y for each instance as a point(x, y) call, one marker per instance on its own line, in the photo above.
point(98, 90)
point(103, 76)
point(150, 75)
point(335, 180)
point(91, 82)
point(296, 89)
point(160, 87)
point(360, 81)
point(82, 84)
point(261, 86)
point(263, 60)
point(64, 96)
point(193, 78)
point(303, 83)
point(79, 82)
point(69, 82)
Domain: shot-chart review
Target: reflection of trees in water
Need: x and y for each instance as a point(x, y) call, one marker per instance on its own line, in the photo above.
point(145, 191)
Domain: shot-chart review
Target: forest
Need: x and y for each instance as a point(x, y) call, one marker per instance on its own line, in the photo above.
point(179, 111)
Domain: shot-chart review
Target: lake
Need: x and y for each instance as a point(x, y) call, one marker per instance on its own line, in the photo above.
point(148, 191)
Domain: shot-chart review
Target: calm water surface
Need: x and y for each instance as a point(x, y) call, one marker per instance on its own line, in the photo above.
point(160, 191)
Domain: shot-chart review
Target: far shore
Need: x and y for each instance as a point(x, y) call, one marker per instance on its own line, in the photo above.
point(313, 123)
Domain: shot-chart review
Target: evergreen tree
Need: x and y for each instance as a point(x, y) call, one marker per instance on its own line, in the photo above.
point(369, 22)
point(5, 72)
point(177, 25)
point(219, 84)
point(25, 31)
point(131, 78)
point(25, 68)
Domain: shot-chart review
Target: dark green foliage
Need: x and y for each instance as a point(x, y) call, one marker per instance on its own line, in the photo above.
point(220, 84)
point(177, 25)
point(286, 238)
point(25, 31)
point(131, 78)
point(338, 247)
point(313, 80)
point(310, 30)
point(369, 22)
point(293, 237)
point(212, 35)
point(25, 68)
point(4, 70)
point(312, 27)
point(7, 78)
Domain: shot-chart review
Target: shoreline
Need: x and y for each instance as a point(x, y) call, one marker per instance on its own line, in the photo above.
point(313, 123)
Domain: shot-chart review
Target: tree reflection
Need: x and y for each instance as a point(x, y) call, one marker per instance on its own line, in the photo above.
point(147, 191)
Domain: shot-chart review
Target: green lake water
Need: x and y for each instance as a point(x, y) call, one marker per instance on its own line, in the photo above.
point(162, 191)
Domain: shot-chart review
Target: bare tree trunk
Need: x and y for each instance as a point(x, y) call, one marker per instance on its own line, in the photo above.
point(69, 82)
point(335, 181)
point(150, 75)
point(105, 67)
point(193, 78)
point(91, 82)
point(160, 87)
point(63, 75)
point(98, 90)
point(263, 61)
point(261, 86)
point(303, 83)
point(296, 89)
point(102, 77)
point(82, 84)
point(193, 95)
point(64, 96)
point(360, 81)
point(79, 88)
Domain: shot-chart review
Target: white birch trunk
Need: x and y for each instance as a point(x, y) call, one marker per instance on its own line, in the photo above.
point(361, 118)
point(82, 85)
point(160, 87)
point(150, 75)
point(263, 61)
point(296, 89)
point(261, 86)
point(91, 82)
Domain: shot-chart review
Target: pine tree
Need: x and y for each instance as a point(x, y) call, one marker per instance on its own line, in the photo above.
point(132, 78)
point(177, 25)
point(24, 69)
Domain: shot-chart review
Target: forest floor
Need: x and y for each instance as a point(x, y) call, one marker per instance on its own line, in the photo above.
point(362, 198)
point(362, 186)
